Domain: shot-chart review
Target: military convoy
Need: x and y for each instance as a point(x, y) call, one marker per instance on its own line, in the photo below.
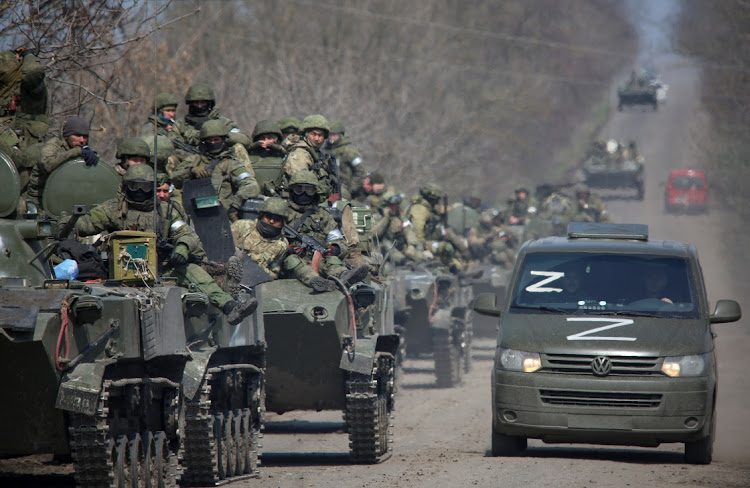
point(614, 165)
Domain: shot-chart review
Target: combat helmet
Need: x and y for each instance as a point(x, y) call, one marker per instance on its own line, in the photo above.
point(303, 177)
point(200, 91)
point(163, 101)
point(431, 192)
point(392, 198)
point(316, 121)
point(275, 206)
point(289, 122)
point(164, 147)
point(336, 127)
point(267, 127)
point(139, 172)
point(214, 128)
point(133, 146)
point(583, 189)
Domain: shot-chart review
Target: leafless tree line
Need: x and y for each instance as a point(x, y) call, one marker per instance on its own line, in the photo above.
point(479, 95)
point(716, 34)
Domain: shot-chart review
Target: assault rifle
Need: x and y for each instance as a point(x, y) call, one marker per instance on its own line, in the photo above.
point(308, 242)
point(185, 147)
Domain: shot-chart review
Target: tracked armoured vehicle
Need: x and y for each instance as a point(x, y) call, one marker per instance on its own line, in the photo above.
point(639, 92)
point(126, 375)
point(432, 307)
point(613, 165)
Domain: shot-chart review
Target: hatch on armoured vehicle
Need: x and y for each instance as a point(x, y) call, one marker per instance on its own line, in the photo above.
point(74, 183)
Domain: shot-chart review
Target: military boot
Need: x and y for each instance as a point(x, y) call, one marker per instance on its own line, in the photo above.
point(234, 274)
point(318, 283)
point(352, 276)
point(237, 311)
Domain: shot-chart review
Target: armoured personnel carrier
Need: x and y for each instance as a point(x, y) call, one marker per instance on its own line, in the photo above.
point(637, 91)
point(432, 307)
point(127, 374)
point(614, 165)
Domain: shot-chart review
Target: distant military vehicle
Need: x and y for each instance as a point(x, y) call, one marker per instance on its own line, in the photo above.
point(614, 165)
point(638, 90)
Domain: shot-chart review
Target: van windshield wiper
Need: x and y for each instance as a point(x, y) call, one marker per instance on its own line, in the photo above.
point(543, 308)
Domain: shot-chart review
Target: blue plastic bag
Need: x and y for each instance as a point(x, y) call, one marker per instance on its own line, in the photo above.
point(67, 270)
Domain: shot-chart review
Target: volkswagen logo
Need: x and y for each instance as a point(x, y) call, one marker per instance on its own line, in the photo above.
point(601, 366)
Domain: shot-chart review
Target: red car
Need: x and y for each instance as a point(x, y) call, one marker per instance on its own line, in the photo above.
point(686, 191)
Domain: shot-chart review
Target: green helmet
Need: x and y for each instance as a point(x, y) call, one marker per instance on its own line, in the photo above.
point(337, 127)
point(431, 192)
point(133, 146)
point(392, 198)
point(200, 91)
point(303, 177)
point(214, 128)
point(289, 122)
point(162, 178)
point(164, 101)
point(582, 188)
point(164, 147)
point(267, 127)
point(522, 189)
point(275, 206)
point(141, 172)
point(314, 122)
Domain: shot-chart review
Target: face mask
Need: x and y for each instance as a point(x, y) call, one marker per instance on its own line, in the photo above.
point(267, 229)
point(212, 148)
point(199, 112)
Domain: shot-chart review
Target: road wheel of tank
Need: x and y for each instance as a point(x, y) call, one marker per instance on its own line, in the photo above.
point(367, 420)
point(448, 364)
point(200, 451)
point(701, 451)
point(164, 464)
point(136, 461)
point(123, 475)
point(507, 445)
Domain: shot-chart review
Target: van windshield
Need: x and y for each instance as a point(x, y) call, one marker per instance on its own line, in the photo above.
point(586, 283)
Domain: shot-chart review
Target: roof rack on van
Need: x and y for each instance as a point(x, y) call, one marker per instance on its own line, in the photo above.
point(579, 230)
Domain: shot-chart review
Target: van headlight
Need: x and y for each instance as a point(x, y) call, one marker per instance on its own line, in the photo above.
point(680, 366)
point(514, 360)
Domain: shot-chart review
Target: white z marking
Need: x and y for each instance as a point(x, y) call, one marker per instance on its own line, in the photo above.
point(551, 276)
point(585, 335)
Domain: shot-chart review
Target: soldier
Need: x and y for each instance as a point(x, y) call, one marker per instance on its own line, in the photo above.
point(520, 207)
point(425, 215)
point(490, 243)
point(589, 207)
point(23, 92)
point(289, 126)
point(267, 156)
point(371, 190)
point(263, 240)
point(308, 218)
point(232, 181)
point(351, 168)
point(58, 151)
point(201, 104)
point(131, 150)
point(134, 210)
point(396, 240)
point(304, 152)
point(165, 106)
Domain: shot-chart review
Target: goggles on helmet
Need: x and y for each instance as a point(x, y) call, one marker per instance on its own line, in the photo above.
point(135, 185)
point(302, 188)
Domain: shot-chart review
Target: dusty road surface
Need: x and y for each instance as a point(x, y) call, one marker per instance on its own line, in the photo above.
point(442, 436)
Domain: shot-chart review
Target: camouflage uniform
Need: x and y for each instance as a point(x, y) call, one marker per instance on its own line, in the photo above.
point(490, 243)
point(232, 181)
point(302, 155)
point(190, 125)
point(589, 206)
point(123, 214)
point(23, 92)
point(352, 169)
point(396, 240)
point(269, 253)
point(519, 209)
point(163, 101)
point(267, 162)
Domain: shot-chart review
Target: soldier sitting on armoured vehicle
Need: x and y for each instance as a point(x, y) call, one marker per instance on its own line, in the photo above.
point(131, 150)
point(520, 207)
point(267, 156)
point(231, 179)
point(57, 151)
point(589, 207)
point(263, 239)
point(307, 218)
point(134, 210)
point(289, 126)
point(202, 107)
point(351, 167)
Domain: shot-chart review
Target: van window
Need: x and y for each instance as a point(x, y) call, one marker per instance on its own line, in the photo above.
point(593, 283)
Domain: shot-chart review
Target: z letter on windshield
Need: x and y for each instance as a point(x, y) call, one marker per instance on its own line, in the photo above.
point(539, 287)
point(585, 335)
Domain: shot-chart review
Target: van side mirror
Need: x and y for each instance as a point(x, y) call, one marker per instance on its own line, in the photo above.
point(486, 304)
point(726, 311)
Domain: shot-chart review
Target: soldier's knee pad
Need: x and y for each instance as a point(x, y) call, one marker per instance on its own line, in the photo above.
point(333, 261)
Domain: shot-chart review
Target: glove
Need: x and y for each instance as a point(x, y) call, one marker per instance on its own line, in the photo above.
point(178, 257)
point(89, 156)
point(332, 250)
point(200, 171)
point(295, 249)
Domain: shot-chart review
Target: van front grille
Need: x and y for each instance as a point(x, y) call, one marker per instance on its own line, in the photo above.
point(581, 364)
point(600, 399)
